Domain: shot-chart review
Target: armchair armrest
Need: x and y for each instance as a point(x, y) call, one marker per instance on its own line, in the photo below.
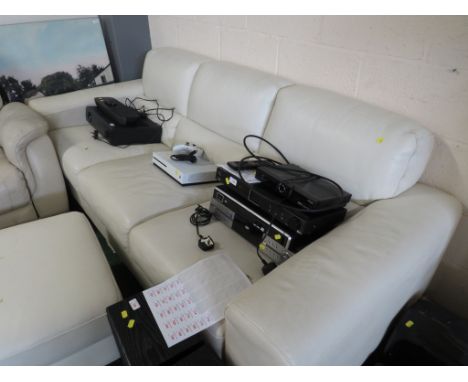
point(332, 302)
point(69, 109)
point(19, 126)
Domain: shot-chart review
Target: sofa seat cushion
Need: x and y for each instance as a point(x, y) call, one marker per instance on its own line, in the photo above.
point(13, 191)
point(54, 288)
point(157, 254)
point(78, 150)
point(125, 192)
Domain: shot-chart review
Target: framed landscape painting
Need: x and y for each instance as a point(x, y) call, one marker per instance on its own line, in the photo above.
point(52, 57)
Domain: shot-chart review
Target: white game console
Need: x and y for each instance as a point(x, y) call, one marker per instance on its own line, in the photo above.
point(185, 172)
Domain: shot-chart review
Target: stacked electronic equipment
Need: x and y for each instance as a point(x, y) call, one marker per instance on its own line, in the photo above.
point(278, 207)
point(124, 124)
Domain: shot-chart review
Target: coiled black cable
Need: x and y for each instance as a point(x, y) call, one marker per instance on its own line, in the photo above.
point(200, 217)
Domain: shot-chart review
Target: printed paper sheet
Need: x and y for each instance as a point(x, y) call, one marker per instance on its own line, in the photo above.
point(195, 299)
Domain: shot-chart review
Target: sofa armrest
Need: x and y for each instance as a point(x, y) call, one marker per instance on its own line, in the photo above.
point(19, 126)
point(68, 109)
point(332, 302)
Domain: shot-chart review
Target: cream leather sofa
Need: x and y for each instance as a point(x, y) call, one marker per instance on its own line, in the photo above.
point(332, 302)
point(31, 181)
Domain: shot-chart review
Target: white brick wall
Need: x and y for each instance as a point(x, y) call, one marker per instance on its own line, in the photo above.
point(413, 65)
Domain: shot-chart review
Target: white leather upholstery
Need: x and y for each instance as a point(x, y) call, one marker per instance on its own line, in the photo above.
point(18, 216)
point(78, 150)
point(372, 153)
point(13, 191)
point(29, 155)
point(68, 109)
point(331, 303)
point(168, 74)
point(19, 126)
point(126, 192)
point(157, 253)
point(49, 196)
point(218, 149)
point(54, 288)
point(233, 100)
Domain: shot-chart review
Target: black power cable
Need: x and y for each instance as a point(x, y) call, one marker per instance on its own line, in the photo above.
point(156, 111)
point(202, 217)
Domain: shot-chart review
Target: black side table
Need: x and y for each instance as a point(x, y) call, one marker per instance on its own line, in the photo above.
point(141, 343)
point(427, 334)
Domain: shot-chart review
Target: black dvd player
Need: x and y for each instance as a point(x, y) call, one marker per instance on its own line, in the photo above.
point(272, 239)
point(274, 207)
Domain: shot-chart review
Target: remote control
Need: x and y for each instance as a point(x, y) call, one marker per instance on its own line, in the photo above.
point(117, 111)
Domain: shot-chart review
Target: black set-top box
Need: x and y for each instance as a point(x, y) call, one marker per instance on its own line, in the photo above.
point(290, 215)
point(121, 125)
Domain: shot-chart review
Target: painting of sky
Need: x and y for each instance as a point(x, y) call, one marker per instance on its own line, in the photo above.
point(31, 51)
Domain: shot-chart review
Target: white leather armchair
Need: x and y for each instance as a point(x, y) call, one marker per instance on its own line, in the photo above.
point(31, 182)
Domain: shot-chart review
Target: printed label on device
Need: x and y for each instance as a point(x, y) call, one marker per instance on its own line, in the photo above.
point(134, 304)
point(248, 175)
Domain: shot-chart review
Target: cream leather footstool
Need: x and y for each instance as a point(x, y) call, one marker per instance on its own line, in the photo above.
point(55, 285)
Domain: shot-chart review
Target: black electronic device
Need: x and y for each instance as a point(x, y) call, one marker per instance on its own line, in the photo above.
point(301, 187)
point(142, 132)
point(425, 334)
point(279, 209)
point(247, 165)
point(274, 241)
point(118, 112)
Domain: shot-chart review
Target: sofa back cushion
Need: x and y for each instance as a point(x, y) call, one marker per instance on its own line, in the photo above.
point(218, 149)
point(232, 100)
point(168, 74)
point(372, 153)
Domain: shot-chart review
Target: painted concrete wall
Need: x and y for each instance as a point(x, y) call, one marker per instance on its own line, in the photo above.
point(416, 66)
